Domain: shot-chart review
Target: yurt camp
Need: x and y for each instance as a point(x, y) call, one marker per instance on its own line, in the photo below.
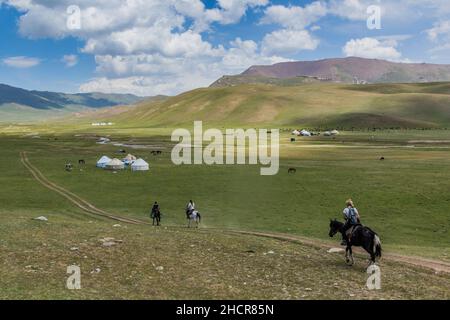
point(115, 164)
point(103, 162)
point(140, 165)
point(129, 159)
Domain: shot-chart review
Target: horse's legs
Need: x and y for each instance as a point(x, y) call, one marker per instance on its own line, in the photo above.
point(346, 254)
point(351, 255)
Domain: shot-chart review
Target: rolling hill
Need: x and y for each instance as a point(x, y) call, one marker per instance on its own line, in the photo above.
point(314, 105)
point(346, 70)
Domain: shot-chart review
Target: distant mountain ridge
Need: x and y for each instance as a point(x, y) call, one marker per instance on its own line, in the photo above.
point(348, 70)
point(45, 100)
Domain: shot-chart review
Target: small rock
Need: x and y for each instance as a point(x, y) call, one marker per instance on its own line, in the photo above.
point(107, 239)
point(96, 270)
point(335, 250)
point(160, 268)
point(109, 243)
point(74, 249)
point(271, 252)
point(308, 289)
point(117, 226)
point(41, 218)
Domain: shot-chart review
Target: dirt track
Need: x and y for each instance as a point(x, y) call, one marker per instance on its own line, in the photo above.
point(437, 266)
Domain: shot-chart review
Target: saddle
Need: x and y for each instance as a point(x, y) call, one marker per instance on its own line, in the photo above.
point(351, 230)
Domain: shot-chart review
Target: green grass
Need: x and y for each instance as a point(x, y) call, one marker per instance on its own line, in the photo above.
point(196, 264)
point(403, 198)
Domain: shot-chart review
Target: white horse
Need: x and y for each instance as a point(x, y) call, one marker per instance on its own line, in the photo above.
point(195, 217)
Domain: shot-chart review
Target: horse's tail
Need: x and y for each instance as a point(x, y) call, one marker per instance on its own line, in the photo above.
point(199, 217)
point(377, 246)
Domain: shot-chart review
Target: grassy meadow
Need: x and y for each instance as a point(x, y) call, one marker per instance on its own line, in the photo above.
point(403, 198)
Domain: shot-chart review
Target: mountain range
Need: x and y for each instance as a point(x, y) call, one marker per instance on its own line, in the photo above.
point(55, 100)
point(341, 70)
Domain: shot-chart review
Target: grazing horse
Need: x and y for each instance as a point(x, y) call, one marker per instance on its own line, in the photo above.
point(360, 236)
point(156, 216)
point(292, 170)
point(195, 217)
point(81, 162)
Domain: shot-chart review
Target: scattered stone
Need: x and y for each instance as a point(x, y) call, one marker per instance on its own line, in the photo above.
point(96, 270)
point(160, 268)
point(335, 250)
point(270, 252)
point(109, 242)
point(74, 249)
point(41, 218)
point(117, 226)
point(308, 289)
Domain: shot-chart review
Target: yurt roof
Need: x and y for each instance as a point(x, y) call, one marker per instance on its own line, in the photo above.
point(104, 159)
point(139, 162)
point(115, 162)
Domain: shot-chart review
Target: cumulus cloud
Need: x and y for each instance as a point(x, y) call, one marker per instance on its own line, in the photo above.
point(295, 17)
point(440, 30)
point(21, 62)
point(146, 46)
point(288, 41)
point(293, 37)
point(372, 48)
point(70, 60)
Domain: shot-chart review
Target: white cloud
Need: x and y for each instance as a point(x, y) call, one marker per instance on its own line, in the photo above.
point(21, 62)
point(70, 60)
point(293, 37)
point(147, 46)
point(295, 17)
point(287, 41)
point(372, 48)
point(439, 30)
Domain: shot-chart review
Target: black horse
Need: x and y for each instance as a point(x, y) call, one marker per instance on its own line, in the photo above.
point(360, 236)
point(156, 216)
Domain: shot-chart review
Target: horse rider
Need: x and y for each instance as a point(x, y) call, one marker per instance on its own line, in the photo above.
point(190, 207)
point(155, 209)
point(352, 219)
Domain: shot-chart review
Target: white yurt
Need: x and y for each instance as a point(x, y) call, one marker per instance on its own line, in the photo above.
point(327, 133)
point(129, 159)
point(305, 133)
point(334, 132)
point(115, 164)
point(103, 162)
point(140, 165)
point(296, 133)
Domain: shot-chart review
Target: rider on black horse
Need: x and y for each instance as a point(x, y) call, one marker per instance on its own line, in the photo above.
point(352, 219)
point(155, 209)
point(190, 207)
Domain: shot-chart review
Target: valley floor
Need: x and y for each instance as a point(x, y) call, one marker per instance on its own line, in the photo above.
point(401, 198)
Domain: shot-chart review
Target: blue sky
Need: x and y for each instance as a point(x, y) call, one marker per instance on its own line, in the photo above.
point(149, 47)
